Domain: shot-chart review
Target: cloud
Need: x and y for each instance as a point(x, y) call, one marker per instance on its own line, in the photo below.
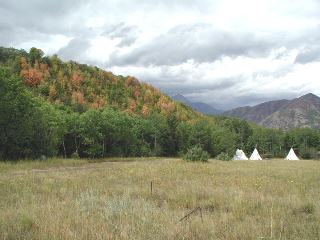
point(308, 55)
point(127, 34)
point(75, 49)
point(250, 81)
point(13, 36)
point(43, 24)
point(225, 52)
point(198, 42)
point(40, 16)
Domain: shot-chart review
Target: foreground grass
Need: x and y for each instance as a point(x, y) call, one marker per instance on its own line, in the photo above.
point(113, 200)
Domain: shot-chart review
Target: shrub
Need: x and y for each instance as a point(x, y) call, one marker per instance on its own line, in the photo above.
point(75, 155)
point(309, 153)
point(224, 157)
point(196, 153)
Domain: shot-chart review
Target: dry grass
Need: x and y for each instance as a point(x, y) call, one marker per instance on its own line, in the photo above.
point(75, 199)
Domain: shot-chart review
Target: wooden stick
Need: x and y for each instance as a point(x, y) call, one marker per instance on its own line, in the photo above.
point(188, 214)
point(271, 221)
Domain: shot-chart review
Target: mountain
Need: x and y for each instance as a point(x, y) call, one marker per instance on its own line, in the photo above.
point(198, 106)
point(285, 114)
point(257, 113)
point(181, 98)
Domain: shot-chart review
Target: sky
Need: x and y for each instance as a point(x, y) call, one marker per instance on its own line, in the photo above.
point(227, 53)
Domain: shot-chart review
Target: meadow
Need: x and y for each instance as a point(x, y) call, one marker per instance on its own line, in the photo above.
point(159, 198)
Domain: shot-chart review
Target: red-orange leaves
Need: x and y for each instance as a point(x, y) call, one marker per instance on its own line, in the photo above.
point(32, 77)
point(165, 105)
point(132, 82)
point(137, 92)
point(77, 79)
point(44, 69)
point(99, 103)
point(133, 106)
point(77, 97)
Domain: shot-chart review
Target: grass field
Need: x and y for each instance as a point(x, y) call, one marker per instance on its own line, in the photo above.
point(79, 199)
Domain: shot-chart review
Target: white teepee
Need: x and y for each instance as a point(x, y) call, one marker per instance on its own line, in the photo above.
point(291, 155)
point(255, 155)
point(240, 155)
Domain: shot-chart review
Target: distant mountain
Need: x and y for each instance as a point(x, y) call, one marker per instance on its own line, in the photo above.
point(257, 113)
point(181, 98)
point(299, 112)
point(198, 106)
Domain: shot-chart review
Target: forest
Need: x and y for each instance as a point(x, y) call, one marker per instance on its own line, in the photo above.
point(53, 108)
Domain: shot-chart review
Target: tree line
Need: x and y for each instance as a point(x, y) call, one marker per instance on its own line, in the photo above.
point(104, 123)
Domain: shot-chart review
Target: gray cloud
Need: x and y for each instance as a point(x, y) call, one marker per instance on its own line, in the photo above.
point(281, 72)
point(32, 22)
point(75, 50)
point(174, 86)
point(199, 42)
point(127, 33)
point(308, 55)
point(40, 16)
point(132, 23)
point(13, 36)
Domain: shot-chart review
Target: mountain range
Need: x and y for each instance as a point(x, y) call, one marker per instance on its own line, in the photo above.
point(285, 114)
point(198, 106)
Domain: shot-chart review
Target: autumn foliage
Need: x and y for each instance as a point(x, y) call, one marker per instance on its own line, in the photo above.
point(32, 77)
point(77, 79)
point(77, 84)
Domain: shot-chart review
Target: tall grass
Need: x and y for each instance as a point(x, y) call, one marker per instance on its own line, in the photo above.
point(238, 200)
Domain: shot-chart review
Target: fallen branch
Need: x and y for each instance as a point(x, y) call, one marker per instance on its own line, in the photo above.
point(192, 212)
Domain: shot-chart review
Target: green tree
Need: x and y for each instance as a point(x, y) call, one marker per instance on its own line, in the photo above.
point(170, 146)
point(27, 125)
point(35, 54)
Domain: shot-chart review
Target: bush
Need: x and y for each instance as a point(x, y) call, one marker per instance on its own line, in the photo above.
point(224, 157)
point(75, 155)
point(196, 153)
point(309, 153)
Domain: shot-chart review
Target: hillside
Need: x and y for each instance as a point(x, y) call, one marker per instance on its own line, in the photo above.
point(85, 87)
point(197, 106)
point(286, 114)
point(49, 107)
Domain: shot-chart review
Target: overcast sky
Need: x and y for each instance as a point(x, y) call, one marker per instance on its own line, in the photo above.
point(226, 53)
